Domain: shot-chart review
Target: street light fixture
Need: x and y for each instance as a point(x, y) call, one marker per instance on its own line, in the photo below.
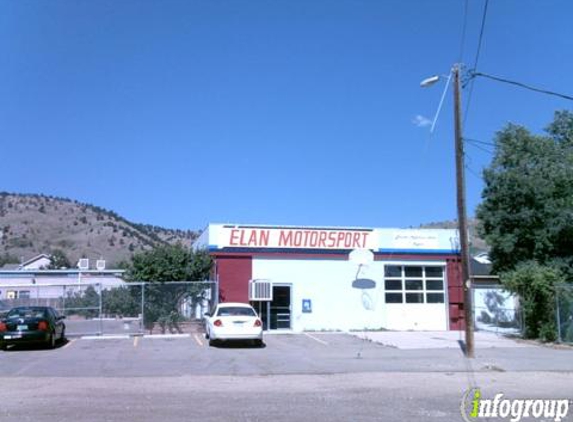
point(429, 81)
point(461, 206)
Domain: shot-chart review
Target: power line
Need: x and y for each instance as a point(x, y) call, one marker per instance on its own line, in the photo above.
point(522, 85)
point(476, 61)
point(473, 172)
point(480, 147)
point(477, 141)
point(483, 19)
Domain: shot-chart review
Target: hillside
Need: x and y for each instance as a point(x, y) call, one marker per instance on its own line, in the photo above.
point(477, 244)
point(34, 224)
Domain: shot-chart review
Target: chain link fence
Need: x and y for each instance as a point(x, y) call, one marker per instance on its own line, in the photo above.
point(564, 313)
point(124, 308)
point(496, 310)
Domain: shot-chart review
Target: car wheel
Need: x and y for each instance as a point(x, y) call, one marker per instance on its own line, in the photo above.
point(52, 341)
point(212, 342)
point(258, 343)
point(63, 335)
point(3, 346)
point(207, 334)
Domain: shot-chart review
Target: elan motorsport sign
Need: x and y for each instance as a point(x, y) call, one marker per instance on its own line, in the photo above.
point(298, 238)
point(224, 237)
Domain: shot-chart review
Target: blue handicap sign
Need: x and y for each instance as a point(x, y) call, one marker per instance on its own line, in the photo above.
point(306, 306)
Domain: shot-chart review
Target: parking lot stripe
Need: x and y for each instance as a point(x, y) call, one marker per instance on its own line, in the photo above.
point(135, 341)
point(69, 343)
point(106, 337)
point(198, 340)
point(166, 335)
point(316, 339)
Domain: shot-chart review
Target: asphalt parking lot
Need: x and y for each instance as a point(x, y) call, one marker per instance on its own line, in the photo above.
point(316, 353)
point(303, 377)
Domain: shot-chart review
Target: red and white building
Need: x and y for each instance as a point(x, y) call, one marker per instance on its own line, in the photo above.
point(309, 278)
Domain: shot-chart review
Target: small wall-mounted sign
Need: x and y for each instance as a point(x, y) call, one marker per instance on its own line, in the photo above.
point(306, 306)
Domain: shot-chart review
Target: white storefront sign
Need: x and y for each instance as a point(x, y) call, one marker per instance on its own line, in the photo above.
point(378, 240)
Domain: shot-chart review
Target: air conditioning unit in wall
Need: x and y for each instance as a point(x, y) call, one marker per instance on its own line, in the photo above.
point(260, 290)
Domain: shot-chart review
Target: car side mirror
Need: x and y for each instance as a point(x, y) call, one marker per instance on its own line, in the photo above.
point(62, 317)
point(207, 314)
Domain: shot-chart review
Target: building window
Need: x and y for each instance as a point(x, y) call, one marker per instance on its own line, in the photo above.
point(24, 294)
point(414, 284)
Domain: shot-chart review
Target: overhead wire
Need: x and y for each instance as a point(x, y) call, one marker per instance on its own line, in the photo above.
point(477, 141)
point(476, 60)
point(478, 146)
point(473, 172)
point(522, 85)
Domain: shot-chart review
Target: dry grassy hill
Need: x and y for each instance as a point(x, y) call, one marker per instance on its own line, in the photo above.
point(34, 224)
point(477, 244)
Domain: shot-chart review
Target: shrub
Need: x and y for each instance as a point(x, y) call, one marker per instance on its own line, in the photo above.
point(536, 286)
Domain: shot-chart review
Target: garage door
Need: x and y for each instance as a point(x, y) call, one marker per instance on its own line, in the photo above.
point(415, 297)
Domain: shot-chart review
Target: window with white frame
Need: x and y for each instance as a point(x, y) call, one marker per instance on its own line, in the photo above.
point(414, 284)
point(24, 294)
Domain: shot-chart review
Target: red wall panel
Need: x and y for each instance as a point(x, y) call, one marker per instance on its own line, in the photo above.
point(234, 273)
point(455, 294)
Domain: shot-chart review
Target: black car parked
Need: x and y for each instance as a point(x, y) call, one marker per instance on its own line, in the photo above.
point(32, 324)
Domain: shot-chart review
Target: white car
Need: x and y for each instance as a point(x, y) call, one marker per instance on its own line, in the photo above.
point(233, 321)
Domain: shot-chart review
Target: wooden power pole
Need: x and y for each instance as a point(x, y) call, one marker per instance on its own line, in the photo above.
point(462, 218)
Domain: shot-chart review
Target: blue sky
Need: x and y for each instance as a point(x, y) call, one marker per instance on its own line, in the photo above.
point(181, 113)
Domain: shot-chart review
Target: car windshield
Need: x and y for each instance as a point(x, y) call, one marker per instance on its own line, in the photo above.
point(235, 311)
point(26, 313)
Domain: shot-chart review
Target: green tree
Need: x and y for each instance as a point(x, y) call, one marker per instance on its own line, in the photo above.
point(122, 301)
point(160, 266)
point(527, 217)
point(561, 129)
point(58, 260)
point(83, 302)
point(526, 213)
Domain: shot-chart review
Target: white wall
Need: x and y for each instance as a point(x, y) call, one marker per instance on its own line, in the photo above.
point(336, 305)
point(417, 317)
point(53, 286)
point(37, 264)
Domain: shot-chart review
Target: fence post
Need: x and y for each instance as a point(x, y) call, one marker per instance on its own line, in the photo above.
point(143, 308)
point(522, 316)
point(557, 314)
point(100, 310)
point(216, 290)
point(64, 300)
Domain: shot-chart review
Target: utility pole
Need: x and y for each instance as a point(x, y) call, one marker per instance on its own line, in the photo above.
point(462, 219)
